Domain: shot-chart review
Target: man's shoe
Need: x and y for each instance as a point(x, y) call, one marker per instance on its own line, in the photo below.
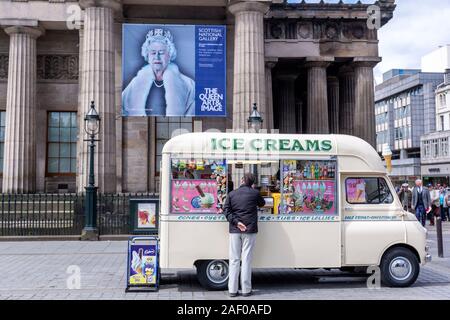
point(248, 294)
point(233, 295)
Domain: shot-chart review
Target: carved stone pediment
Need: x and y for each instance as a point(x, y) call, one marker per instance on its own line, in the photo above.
point(324, 30)
point(304, 30)
point(49, 67)
point(57, 67)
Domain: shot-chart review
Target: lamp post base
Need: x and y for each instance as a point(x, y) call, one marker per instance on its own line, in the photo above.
point(89, 234)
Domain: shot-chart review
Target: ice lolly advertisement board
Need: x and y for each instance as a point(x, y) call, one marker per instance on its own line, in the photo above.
point(142, 268)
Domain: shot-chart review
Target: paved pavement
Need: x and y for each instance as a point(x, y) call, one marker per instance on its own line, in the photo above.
point(39, 270)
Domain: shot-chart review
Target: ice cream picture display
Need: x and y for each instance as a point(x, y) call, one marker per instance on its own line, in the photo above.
point(356, 190)
point(146, 215)
point(190, 196)
point(387, 155)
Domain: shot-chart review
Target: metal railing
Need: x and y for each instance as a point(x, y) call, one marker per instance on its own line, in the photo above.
point(63, 214)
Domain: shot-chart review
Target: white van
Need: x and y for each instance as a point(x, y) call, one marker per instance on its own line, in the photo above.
point(329, 204)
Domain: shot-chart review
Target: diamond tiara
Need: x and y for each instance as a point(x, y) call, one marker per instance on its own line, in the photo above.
point(160, 33)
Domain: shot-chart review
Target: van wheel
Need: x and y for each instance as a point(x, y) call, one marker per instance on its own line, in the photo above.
point(399, 268)
point(213, 274)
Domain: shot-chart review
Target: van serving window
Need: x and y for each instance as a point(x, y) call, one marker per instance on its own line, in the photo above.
point(198, 185)
point(367, 191)
point(309, 187)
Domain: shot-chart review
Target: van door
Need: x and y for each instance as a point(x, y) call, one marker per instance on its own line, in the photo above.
point(371, 219)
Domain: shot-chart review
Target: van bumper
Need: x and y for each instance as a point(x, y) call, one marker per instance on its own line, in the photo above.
point(427, 254)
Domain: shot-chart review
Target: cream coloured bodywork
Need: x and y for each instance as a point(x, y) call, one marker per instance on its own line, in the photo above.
point(350, 240)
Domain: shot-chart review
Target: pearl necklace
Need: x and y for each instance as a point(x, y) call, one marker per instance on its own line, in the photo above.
point(158, 85)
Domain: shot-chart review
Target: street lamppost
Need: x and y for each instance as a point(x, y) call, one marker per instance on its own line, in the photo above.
point(92, 128)
point(254, 124)
point(255, 120)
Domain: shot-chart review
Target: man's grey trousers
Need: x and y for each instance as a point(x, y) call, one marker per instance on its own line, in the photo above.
point(241, 246)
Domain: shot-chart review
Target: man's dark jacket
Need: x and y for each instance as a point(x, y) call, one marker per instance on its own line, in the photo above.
point(241, 206)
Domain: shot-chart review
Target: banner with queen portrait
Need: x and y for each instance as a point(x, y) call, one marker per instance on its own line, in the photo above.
point(173, 70)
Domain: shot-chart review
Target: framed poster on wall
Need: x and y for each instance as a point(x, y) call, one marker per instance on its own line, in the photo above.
point(174, 70)
point(144, 215)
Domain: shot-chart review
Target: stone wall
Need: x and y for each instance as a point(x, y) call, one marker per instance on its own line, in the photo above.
point(57, 90)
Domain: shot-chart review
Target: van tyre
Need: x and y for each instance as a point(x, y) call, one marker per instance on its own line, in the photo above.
point(399, 268)
point(213, 274)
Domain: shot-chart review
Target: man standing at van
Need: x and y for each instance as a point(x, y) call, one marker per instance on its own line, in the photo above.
point(421, 201)
point(242, 213)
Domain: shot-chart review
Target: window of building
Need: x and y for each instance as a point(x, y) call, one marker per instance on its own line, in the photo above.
point(367, 191)
point(167, 128)
point(442, 122)
point(444, 147)
point(426, 149)
point(435, 148)
point(442, 100)
point(2, 138)
point(62, 143)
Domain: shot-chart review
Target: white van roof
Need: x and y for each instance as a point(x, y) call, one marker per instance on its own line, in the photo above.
point(354, 154)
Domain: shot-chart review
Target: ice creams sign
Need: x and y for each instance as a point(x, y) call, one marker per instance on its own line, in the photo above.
point(268, 145)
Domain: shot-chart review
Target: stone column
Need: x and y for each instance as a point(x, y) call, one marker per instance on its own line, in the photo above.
point(81, 144)
point(268, 116)
point(286, 103)
point(299, 116)
point(346, 99)
point(317, 108)
point(97, 84)
point(19, 168)
point(249, 71)
point(333, 104)
point(364, 115)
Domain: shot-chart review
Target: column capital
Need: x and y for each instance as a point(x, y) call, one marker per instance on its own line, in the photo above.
point(34, 32)
point(333, 80)
point(346, 70)
point(368, 62)
point(270, 62)
point(286, 76)
point(116, 5)
point(238, 6)
point(318, 62)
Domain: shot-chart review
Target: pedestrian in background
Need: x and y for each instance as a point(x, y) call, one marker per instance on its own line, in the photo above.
point(405, 196)
point(421, 201)
point(447, 201)
point(443, 204)
point(434, 194)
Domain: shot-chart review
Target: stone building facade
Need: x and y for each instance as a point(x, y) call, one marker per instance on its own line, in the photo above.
point(404, 111)
point(308, 66)
point(435, 146)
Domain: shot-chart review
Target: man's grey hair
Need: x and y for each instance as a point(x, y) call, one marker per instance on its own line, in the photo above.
point(164, 38)
point(249, 179)
point(418, 180)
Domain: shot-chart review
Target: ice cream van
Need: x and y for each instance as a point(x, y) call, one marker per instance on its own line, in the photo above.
point(329, 204)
